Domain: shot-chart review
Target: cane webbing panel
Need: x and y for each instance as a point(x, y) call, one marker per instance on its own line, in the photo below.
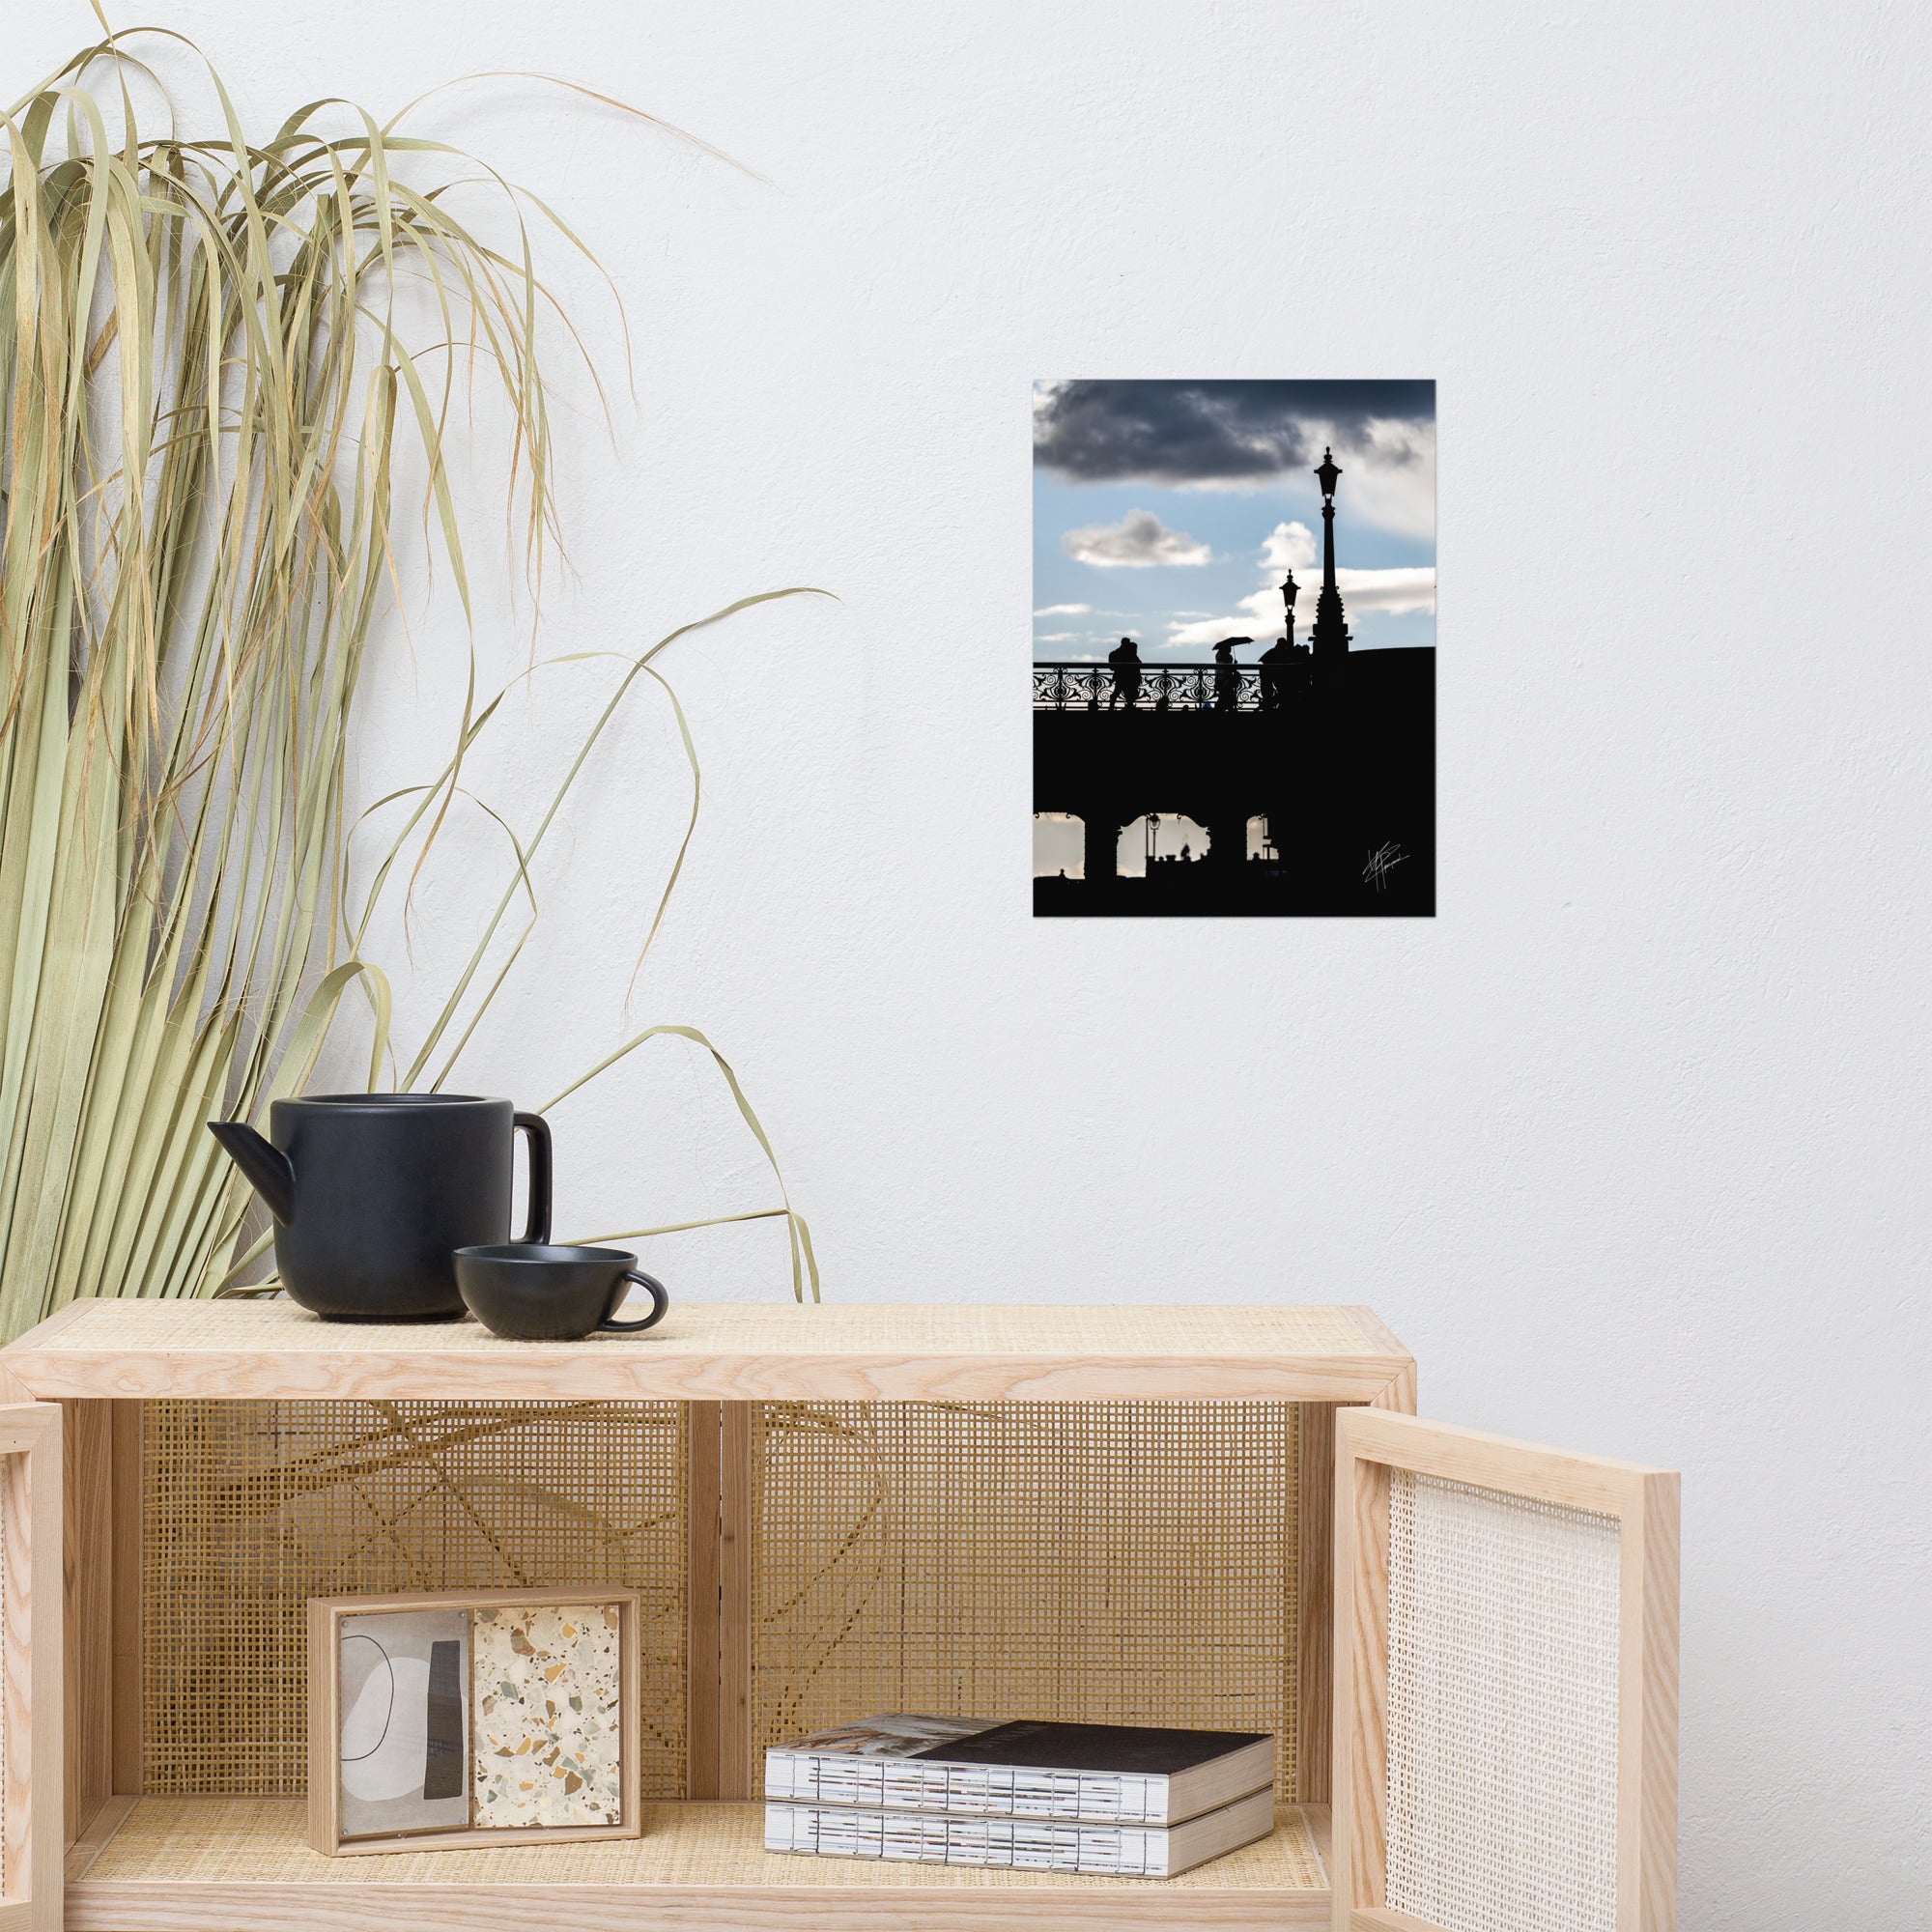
point(209, 1842)
point(1104, 1562)
point(1503, 1710)
point(250, 1508)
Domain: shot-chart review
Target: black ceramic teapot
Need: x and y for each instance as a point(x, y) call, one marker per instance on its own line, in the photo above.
point(373, 1192)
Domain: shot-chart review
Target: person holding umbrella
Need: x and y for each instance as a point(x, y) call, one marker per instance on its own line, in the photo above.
point(1227, 677)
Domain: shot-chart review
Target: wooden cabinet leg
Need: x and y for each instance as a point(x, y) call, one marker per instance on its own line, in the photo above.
point(88, 1569)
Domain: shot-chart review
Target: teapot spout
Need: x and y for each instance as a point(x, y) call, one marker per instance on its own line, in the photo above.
point(266, 1166)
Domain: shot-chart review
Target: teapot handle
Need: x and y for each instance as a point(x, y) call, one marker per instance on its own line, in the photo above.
point(537, 1229)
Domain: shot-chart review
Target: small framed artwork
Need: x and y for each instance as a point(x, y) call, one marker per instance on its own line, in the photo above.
point(478, 1718)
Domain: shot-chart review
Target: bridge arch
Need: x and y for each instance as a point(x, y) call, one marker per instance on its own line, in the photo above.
point(1059, 845)
point(1164, 837)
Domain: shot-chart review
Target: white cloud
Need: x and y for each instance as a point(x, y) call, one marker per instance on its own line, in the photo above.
point(1410, 588)
point(1063, 611)
point(1140, 539)
point(1292, 547)
point(1388, 476)
point(1214, 629)
point(1061, 637)
point(1289, 547)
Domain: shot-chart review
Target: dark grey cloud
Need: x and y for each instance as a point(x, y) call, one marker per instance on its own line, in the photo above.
point(1209, 432)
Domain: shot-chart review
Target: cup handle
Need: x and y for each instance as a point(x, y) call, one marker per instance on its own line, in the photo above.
point(660, 1300)
point(537, 1230)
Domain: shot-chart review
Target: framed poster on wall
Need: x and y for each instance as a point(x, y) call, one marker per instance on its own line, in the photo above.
point(1233, 676)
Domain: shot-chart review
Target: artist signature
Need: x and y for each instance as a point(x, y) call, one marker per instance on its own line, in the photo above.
point(1383, 861)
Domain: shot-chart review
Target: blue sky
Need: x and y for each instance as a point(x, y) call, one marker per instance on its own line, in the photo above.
point(1176, 563)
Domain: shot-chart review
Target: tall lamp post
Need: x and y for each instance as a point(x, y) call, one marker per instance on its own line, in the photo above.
point(1329, 638)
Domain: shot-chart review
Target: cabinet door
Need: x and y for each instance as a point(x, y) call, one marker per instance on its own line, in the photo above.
point(1505, 1685)
point(30, 1667)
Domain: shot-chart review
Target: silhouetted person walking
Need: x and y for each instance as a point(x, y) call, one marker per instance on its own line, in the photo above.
point(1274, 676)
point(1227, 676)
point(1127, 661)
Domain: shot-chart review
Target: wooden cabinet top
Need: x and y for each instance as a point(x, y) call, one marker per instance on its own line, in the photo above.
point(726, 1352)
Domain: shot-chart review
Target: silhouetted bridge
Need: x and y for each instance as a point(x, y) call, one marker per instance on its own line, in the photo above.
point(1338, 757)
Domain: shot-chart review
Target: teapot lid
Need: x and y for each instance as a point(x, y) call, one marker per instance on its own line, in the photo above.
point(388, 1100)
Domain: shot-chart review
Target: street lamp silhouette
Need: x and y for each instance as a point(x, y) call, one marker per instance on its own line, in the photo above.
point(1290, 589)
point(1329, 638)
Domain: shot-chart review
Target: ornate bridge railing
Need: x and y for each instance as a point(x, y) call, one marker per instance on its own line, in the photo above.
point(1156, 687)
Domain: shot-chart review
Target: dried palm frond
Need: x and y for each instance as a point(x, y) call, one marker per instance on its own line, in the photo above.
point(209, 384)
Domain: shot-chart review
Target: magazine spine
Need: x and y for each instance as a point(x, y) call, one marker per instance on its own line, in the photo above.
point(1023, 1844)
point(1005, 1791)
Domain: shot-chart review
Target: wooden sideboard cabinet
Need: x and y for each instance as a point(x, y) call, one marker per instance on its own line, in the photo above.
point(1227, 1518)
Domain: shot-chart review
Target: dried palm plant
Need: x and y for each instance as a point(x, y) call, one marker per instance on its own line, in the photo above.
point(209, 382)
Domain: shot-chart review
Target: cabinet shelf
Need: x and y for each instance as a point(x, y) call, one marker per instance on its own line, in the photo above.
point(240, 1864)
point(726, 1352)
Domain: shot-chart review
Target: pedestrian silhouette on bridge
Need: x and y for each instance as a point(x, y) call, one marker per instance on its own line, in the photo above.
point(1227, 674)
point(1274, 674)
point(1126, 659)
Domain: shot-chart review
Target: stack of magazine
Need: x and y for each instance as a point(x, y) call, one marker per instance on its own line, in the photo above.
point(1113, 1800)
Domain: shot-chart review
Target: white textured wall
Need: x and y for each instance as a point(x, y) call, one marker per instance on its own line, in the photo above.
point(1631, 1142)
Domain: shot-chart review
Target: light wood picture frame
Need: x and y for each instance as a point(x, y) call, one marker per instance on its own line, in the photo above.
point(1374, 1448)
point(326, 1618)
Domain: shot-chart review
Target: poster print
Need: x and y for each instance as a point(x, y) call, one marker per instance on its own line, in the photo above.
point(549, 1717)
point(1233, 680)
point(404, 1687)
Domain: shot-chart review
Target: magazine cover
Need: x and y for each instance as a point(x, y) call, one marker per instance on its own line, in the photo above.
point(895, 1735)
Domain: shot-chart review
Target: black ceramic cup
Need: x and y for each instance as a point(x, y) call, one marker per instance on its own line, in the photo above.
point(529, 1292)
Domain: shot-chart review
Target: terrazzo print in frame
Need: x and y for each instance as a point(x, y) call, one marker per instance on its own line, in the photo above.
point(530, 1726)
point(548, 1718)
